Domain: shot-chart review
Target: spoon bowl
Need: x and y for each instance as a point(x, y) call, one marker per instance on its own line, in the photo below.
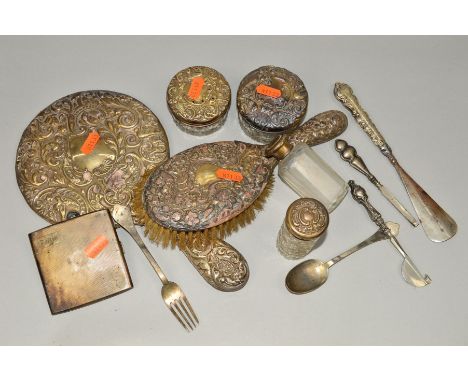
point(307, 276)
point(312, 274)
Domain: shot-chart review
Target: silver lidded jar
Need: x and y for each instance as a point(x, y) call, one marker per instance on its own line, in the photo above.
point(305, 221)
point(198, 98)
point(270, 101)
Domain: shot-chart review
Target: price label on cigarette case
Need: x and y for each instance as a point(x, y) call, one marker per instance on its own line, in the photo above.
point(235, 176)
point(94, 248)
point(196, 87)
point(90, 143)
point(268, 91)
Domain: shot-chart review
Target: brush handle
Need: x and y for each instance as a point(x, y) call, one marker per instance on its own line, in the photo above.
point(219, 263)
point(319, 129)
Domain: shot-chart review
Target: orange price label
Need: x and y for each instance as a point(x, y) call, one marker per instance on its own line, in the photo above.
point(235, 176)
point(94, 248)
point(268, 91)
point(90, 143)
point(196, 87)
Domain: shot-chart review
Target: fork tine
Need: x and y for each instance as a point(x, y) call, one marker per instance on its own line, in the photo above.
point(181, 314)
point(190, 308)
point(181, 303)
point(178, 318)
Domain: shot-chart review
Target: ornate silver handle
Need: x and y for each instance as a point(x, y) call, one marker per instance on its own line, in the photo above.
point(345, 95)
point(219, 263)
point(348, 154)
point(410, 272)
point(319, 129)
point(359, 195)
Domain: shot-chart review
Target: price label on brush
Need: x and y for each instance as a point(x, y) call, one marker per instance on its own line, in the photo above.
point(268, 91)
point(90, 143)
point(196, 87)
point(235, 176)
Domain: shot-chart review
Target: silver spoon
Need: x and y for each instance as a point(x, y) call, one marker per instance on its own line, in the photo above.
point(312, 274)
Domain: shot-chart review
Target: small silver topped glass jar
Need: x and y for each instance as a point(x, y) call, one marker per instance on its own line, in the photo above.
point(270, 101)
point(198, 98)
point(306, 220)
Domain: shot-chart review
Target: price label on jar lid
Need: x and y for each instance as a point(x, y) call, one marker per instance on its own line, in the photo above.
point(90, 143)
point(268, 91)
point(235, 176)
point(196, 87)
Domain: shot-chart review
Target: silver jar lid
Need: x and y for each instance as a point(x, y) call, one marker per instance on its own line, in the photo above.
point(272, 99)
point(198, 96)
point(306, 218)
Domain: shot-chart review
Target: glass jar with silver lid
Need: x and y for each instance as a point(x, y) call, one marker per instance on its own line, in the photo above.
point(270, 101)
point(198, 98)
point(305, 221)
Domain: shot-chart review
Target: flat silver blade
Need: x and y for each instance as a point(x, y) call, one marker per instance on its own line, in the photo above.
point(437, 224)
point(395, 202)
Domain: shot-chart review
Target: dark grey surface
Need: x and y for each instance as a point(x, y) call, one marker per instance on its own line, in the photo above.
point(415, 90)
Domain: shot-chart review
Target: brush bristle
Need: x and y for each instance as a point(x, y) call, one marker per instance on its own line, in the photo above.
point(170, 237)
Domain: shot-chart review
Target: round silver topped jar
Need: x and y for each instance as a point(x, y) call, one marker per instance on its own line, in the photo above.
point(270, 101)
point(198, 98)
point(306, 220)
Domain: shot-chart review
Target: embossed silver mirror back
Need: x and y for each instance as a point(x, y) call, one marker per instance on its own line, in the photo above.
point(58, 180)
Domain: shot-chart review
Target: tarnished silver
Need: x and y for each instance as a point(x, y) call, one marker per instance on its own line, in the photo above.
point(305, 222)
point(410, 272)
point(348, 154)
point(80, 261)
point(208, 111)
point(219, 263)
point(312, 274)
point(59, 180)
point(437, 224)
point(263, 117)
point(171, 293)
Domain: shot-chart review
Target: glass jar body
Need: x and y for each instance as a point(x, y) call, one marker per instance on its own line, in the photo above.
point(311, 177)
point(290, 246)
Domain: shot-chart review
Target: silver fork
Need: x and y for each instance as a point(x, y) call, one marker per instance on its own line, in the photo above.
point(172, 294)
